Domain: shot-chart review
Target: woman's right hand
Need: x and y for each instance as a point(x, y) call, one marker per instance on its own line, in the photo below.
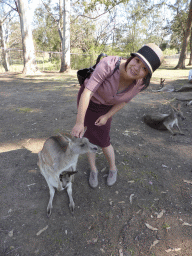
point(78, 130)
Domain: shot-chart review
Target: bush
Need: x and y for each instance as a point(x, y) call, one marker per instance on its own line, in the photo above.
point(170, 52)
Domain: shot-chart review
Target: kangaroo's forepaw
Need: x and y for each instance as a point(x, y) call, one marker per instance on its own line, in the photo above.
point(72, 207)
point(48, 212)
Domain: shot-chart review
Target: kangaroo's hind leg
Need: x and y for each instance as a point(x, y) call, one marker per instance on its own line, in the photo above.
point(69, 192)
point(50, 204)
point(169, 127)
point(180, 132)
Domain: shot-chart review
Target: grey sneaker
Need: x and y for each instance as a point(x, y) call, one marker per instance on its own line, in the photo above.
point(112, 177)
point(93, 179)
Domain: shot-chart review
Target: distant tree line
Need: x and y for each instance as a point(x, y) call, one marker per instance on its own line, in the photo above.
point(116, 27)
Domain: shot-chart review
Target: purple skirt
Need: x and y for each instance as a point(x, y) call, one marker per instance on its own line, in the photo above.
point(98, 135)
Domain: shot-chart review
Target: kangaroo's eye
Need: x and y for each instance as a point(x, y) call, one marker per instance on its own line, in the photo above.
point(82, 145)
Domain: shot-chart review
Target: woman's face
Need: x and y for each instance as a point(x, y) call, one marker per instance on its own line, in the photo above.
point(136, 69)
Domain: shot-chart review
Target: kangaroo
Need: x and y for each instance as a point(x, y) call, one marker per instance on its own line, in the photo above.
point(165, 121)
point(57, 162)
point(165, 88)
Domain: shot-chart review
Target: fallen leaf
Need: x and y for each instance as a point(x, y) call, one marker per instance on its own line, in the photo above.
point(173, 250)
point(154, 243)
point(150, 227)
point(93, 241)
point(186, 224)
point(42, 230)
point(101, 249)
point(120, 252)
point(122, 202)
point(188, 181)
point(103, 169)
point(10, 234)
point(160, 215)
point(131, 198)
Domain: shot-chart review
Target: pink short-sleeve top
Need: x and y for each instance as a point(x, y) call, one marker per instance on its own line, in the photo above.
point(104, 84)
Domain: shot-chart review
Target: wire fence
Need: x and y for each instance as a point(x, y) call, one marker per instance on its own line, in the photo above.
point(46, 61)
point(51, 61)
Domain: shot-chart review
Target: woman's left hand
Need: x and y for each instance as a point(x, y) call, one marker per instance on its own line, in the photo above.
point(102, 120)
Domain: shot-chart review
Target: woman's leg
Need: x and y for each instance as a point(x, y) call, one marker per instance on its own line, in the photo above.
point(93, 177)
point(91, 158)
point(110, 156)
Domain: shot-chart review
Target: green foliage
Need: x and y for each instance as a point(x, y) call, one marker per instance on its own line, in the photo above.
point(82, 34)
point(177, 26)
point(124, 29)
point(170, 52)
point(15, 36)
point(108, 4)
point(46, 34)
point(165, 226)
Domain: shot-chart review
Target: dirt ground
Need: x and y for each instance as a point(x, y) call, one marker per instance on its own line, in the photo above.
point(154, 185)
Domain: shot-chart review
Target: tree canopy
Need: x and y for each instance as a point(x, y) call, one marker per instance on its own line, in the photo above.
point(117, 27)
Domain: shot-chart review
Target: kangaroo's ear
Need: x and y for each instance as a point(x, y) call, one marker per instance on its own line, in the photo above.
point(71, 173)
point(66, 137)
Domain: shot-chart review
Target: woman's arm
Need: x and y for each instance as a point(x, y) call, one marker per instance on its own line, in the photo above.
point(103, 119)
point(78, 129)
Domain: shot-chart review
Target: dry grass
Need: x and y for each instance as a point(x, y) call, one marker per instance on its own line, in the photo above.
point(168, 72)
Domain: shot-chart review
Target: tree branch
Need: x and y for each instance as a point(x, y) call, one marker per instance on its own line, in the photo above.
point(15, 9)
point(56, 21)
point(94, 18)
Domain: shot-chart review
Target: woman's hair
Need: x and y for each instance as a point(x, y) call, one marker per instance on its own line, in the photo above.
point(146, 80)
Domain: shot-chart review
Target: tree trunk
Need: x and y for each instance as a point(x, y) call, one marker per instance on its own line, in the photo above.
point(181, 63)
point(4, 48)
point(30, 66)
point(190, 58)
point(65, 58)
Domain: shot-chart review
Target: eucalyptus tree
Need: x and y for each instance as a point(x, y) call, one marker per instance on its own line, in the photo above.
point(187, 33)
point(65, 57)
point(30, 66)
point(6, 14)
point(177, 28)
point(4, 45)
point(88, 7)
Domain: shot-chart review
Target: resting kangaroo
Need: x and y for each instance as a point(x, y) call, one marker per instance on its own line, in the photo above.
point(165, 88)
point(57, 162)
point(165, 121)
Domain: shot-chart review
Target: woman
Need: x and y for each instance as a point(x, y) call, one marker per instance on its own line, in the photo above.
point(111, 86)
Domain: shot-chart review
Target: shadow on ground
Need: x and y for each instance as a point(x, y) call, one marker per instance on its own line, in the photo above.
point(147, 212)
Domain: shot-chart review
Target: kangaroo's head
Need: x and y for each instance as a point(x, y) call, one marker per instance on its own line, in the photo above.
point(162, 81)
point(80, 145)
point(178, 112)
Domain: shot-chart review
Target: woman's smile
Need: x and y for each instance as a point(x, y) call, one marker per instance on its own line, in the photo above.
point(136, 68)
point(133, 72)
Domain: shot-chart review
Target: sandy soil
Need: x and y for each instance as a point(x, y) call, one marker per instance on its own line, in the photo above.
point(154, 184)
